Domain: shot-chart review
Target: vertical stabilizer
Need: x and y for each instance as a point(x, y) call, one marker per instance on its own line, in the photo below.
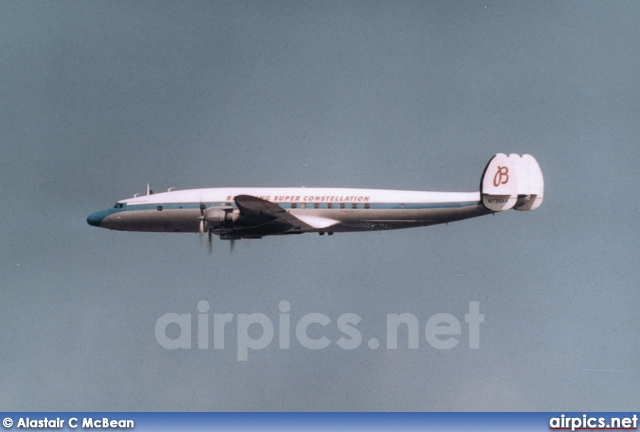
point(531, 197)
point(499, 186)
point(512, 181)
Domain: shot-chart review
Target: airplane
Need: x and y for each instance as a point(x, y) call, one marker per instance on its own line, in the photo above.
point(508, 182)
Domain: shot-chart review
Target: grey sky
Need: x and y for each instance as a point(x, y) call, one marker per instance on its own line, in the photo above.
point(99, 98)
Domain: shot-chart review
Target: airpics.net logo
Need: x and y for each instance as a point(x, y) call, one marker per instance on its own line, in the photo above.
point(256, 331)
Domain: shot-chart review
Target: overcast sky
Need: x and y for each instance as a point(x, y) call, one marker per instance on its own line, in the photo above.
point(99, 98)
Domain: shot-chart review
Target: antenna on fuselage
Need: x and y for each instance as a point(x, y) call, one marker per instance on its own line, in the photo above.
point(149, 191)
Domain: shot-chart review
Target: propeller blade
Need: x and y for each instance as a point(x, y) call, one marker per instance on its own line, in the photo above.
point(201, 225)
point(232, 244)
point(209, 243)
point(201, 231)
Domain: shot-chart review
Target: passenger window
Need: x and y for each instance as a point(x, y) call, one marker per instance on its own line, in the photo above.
point(341, 205)
point(329, 205)
point(367, 206)
point(159, 208)
point(316, 205)
point(355, 206)
point(294, 205)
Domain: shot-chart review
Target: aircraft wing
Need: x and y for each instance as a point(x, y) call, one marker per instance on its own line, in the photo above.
point(262, 217)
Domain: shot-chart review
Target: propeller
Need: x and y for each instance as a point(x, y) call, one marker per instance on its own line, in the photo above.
point(203, 207)
point(212, 217)
point(201, 226)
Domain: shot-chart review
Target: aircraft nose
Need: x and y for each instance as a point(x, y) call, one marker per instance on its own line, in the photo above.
point(94, 219)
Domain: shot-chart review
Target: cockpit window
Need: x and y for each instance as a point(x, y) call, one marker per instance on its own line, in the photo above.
point(118, 205)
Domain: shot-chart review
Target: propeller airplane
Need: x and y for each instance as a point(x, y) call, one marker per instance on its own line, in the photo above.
point(508, 182)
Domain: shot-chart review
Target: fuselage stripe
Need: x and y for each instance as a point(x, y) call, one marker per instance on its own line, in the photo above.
point(309, 206)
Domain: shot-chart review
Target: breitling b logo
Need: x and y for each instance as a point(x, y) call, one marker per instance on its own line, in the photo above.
point(502, 176)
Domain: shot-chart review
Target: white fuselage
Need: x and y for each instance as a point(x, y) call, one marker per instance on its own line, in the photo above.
point(508, 182)
point(321, 209)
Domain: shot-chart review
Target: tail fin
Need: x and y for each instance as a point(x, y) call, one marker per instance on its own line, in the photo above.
point(512, 182)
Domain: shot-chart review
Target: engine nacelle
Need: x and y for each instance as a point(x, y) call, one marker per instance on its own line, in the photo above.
point(216, 216)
